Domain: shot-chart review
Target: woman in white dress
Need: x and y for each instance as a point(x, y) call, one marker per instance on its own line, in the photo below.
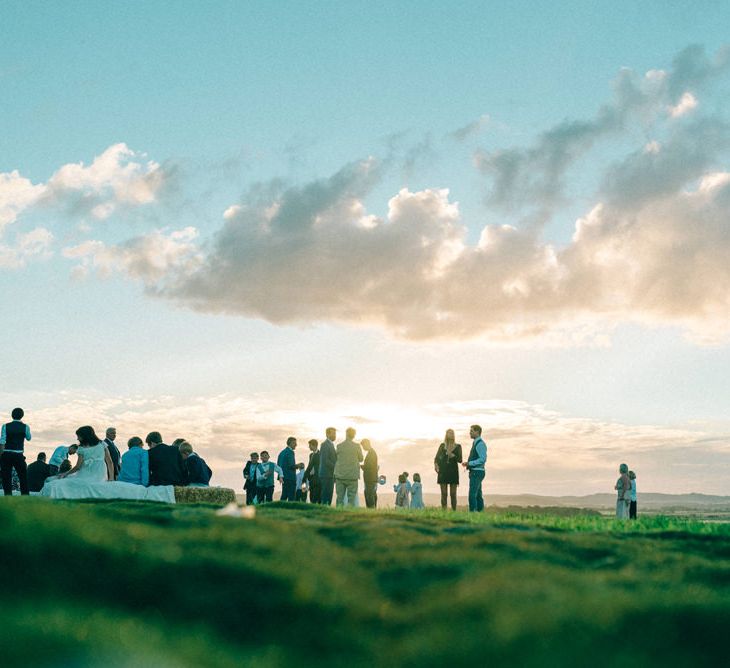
point(92, 477)
point(93, 461)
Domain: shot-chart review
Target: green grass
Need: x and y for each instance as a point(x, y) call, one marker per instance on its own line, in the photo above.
point(141, 584)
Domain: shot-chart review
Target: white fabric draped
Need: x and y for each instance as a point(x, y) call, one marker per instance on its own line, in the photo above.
point(56, 489)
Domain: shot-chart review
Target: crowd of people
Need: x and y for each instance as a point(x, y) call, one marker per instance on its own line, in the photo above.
point(97, 460)
point(331, 470)
point(336, 470)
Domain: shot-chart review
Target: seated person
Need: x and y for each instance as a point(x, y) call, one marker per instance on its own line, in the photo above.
point(166, 464)
point(199, 472)
point(135, 466)
point(38, 471)
point(65, 466)
point(60, 455)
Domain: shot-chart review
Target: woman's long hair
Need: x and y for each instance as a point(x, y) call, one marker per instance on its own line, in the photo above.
point(450, 442)
point(87, 436)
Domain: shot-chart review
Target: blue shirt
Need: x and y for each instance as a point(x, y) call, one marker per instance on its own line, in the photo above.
point(135, 467)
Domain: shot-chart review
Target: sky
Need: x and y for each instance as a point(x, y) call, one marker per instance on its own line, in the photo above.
point(235, 222)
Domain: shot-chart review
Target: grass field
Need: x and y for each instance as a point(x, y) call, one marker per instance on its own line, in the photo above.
point(135, 584)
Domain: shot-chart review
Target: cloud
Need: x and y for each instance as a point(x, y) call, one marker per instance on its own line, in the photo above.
point(531, 448)
point(119, 178)
point(649, 252)
point(535, 175)
point(684, 106)
point(16, 194)
point(34, 244)
point(470, 130)
point(148, 258)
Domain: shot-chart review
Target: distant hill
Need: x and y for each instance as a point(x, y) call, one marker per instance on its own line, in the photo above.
point(647, 501)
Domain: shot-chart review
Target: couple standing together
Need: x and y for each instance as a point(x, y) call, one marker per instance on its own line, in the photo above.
point(339, 469)
point(447, 460)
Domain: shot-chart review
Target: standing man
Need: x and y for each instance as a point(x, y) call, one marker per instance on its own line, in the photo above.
point(288, 465)
point(311, 474)
point(166, 463)
point(249, 475)
point(60, 455)
point(327, 461)
point(111, 436)
point(370, 474)
point(12, 444)
point(38, 471)
point(476, 465)
point(347, 469)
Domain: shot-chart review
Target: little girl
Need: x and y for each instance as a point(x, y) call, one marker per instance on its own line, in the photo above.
point(416, 492)
point(402, 492)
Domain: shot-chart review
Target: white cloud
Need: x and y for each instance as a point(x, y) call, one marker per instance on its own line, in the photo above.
point(16, 194)
point(684, 106)
point(119, 177)
point(149, 258)
point(31, 245)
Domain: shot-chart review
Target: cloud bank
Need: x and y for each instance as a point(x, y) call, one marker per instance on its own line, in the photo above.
point(653, 246)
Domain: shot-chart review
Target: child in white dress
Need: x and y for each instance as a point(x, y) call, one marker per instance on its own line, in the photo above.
point(417, 492)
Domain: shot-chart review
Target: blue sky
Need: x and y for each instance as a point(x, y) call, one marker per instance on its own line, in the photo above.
point(230, 113)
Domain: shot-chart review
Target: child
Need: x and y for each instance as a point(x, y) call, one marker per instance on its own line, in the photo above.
point(402, 492)
point(623, 487)
point(632, 507)
point(302, 489)
point(416, 492)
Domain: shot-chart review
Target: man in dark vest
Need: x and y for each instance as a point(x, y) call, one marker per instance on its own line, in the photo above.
point(38, 471)
point(370, 474)
point(311, 474)
point(166, 463)
point(111, 436)
point(476, 465)
point(12, 444)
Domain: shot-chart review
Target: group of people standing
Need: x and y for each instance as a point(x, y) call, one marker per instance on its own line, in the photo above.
point(336, 469)
point(331, 469)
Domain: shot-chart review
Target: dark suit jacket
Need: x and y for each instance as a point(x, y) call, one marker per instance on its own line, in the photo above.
point(167, 466)
point(250, 471)
point(370, 467)
point(198, 471)
point(37, 473)
point(312, 471)
point(114, 454)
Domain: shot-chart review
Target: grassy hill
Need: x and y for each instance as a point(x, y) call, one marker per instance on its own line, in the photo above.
point(135, 584)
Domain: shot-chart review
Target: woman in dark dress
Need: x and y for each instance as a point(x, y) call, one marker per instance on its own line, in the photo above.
point(447, 463)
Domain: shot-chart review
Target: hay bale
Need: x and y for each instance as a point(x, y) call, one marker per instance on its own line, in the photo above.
point(219, 496)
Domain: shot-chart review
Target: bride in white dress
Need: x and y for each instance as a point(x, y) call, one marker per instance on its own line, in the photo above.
point(92, 477)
